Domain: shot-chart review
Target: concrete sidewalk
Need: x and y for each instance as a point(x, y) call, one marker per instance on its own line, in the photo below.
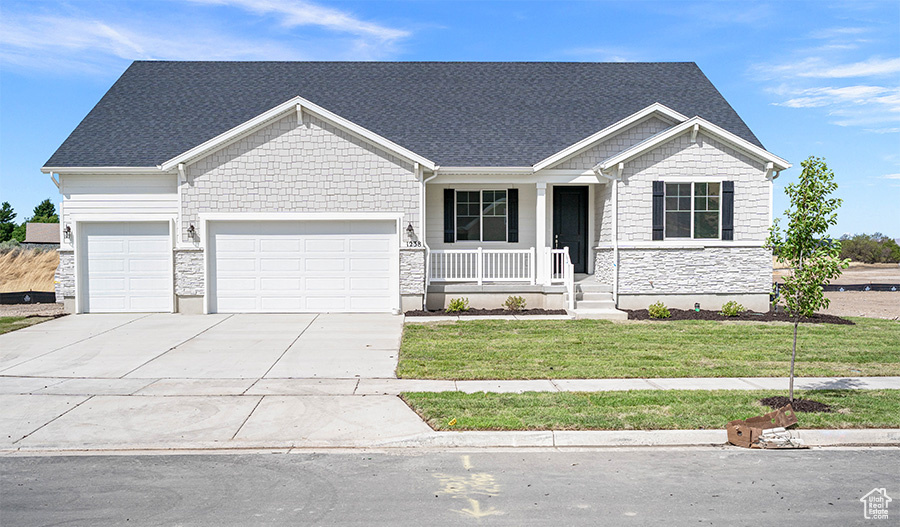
point(68, 415)
point(387, 386)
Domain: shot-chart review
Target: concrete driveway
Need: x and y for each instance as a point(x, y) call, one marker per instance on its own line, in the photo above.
point(213, 381)
point(163, 346)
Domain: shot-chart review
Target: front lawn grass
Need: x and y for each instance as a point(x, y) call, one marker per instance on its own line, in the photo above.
point(643, 409)
point(8, 324)
point(588, 349)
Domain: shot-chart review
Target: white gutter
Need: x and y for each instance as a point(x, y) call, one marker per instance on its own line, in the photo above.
point(54, 180)
point(424, 237)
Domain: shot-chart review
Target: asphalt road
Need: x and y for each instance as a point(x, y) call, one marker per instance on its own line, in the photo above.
point(610, 487)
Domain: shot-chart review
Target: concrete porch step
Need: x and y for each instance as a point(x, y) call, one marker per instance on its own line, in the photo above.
point(591, 295)
point(600, 314)
point(593, 288)
point(595, 304)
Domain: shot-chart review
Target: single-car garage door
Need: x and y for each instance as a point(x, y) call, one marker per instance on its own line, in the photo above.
point(126, 267)
point(303, 266)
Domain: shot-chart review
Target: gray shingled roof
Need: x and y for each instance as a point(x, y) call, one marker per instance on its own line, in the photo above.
point(454, 113)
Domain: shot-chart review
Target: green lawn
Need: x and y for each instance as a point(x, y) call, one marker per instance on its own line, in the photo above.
point(643, 409)
point(571, 349)
point(8, 324)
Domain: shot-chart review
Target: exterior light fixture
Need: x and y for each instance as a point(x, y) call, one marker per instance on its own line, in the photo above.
point(67, 233)
point(191, 231)
point(410, 231)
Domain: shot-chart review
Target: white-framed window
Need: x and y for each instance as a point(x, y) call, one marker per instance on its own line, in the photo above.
point(693, 210)
point(481, 215)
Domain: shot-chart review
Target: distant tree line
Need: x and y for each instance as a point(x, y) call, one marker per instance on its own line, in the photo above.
point(45, 212)
point(870, 248)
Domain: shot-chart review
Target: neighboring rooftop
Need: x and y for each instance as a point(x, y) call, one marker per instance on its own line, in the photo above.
point(42, 233)
point(453, 113)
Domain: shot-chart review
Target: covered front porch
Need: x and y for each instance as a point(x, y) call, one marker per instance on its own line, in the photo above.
point(491, 238)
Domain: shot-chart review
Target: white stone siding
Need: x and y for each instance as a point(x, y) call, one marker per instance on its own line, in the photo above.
point(603, 266)
point(613, 145)
point(64, 278)
point(189, 272)
point(603, 213)
point(412, 271)
point(313, 167)
point(696, 271)
point(705, 159)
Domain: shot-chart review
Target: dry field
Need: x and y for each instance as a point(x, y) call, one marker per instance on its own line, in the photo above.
point(877, 304)
point(27, 270)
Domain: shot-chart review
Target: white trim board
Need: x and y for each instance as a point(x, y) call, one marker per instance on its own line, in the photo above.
point(300, 105)
point(716, 132)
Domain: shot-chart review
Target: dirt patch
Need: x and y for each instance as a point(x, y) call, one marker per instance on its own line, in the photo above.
point(32, 310)
point(799, 405)
point(705, 314)
point(876, 304)
point(488, 312)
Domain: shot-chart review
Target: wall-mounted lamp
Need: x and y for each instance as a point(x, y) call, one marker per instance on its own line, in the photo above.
point(191, 231)
point(410, 231)
point(67, 233)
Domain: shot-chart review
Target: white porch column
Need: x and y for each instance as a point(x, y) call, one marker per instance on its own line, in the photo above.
point(542, 263)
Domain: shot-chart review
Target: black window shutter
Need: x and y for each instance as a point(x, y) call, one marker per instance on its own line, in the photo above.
point(449, 211)
point(728, 210)
point(659, 209)
point(512, 215)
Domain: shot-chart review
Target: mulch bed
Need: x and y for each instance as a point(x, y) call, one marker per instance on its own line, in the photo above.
point(704, 314)
point(479, 312)
point(799, 405)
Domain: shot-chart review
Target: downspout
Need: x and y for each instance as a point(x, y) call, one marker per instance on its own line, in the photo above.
point(421, 175)
point(615, 231)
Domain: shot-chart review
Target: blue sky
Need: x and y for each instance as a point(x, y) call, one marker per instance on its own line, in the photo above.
point(809, 78)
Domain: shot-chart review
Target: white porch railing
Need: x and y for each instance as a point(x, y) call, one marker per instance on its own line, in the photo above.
point(482, 265)
point(563, 272)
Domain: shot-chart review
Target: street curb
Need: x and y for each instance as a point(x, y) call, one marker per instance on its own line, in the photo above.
point(547, 440)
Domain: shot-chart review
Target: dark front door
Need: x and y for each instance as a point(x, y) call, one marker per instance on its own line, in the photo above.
point(570, 223)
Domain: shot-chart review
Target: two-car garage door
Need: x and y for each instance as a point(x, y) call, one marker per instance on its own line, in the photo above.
point(302, 266)
point(253, 266)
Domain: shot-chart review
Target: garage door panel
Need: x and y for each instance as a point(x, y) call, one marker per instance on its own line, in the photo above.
point(325, 245)
point(326, 284)
point(302, 266)
point(279, 244)
point(366, 264)
point(236, 264)
point(139, 265)
point(280, 284)
point(324, 264)
point(147, 285)
point(361, 245)
point(279, 264)
point(370, 284)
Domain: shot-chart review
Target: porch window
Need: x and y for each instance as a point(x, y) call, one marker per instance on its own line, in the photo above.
point(692, 210)
point(481, 215)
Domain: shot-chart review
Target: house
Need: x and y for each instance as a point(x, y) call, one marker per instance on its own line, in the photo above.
point(204, 187)
point(875, 504)
point(42, 235)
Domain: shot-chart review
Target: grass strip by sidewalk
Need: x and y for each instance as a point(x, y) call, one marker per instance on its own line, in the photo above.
point(8, 324)
point(643, 409)
point(588, 349)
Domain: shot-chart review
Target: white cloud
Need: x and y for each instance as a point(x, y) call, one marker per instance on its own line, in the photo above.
point(867, 68)
point(860, 95)
point(299, 13)
point(894, 130)
point(890, 176)
point(97, 42)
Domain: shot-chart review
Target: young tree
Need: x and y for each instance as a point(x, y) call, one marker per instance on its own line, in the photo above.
point(7, 215)
point(805, 247)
